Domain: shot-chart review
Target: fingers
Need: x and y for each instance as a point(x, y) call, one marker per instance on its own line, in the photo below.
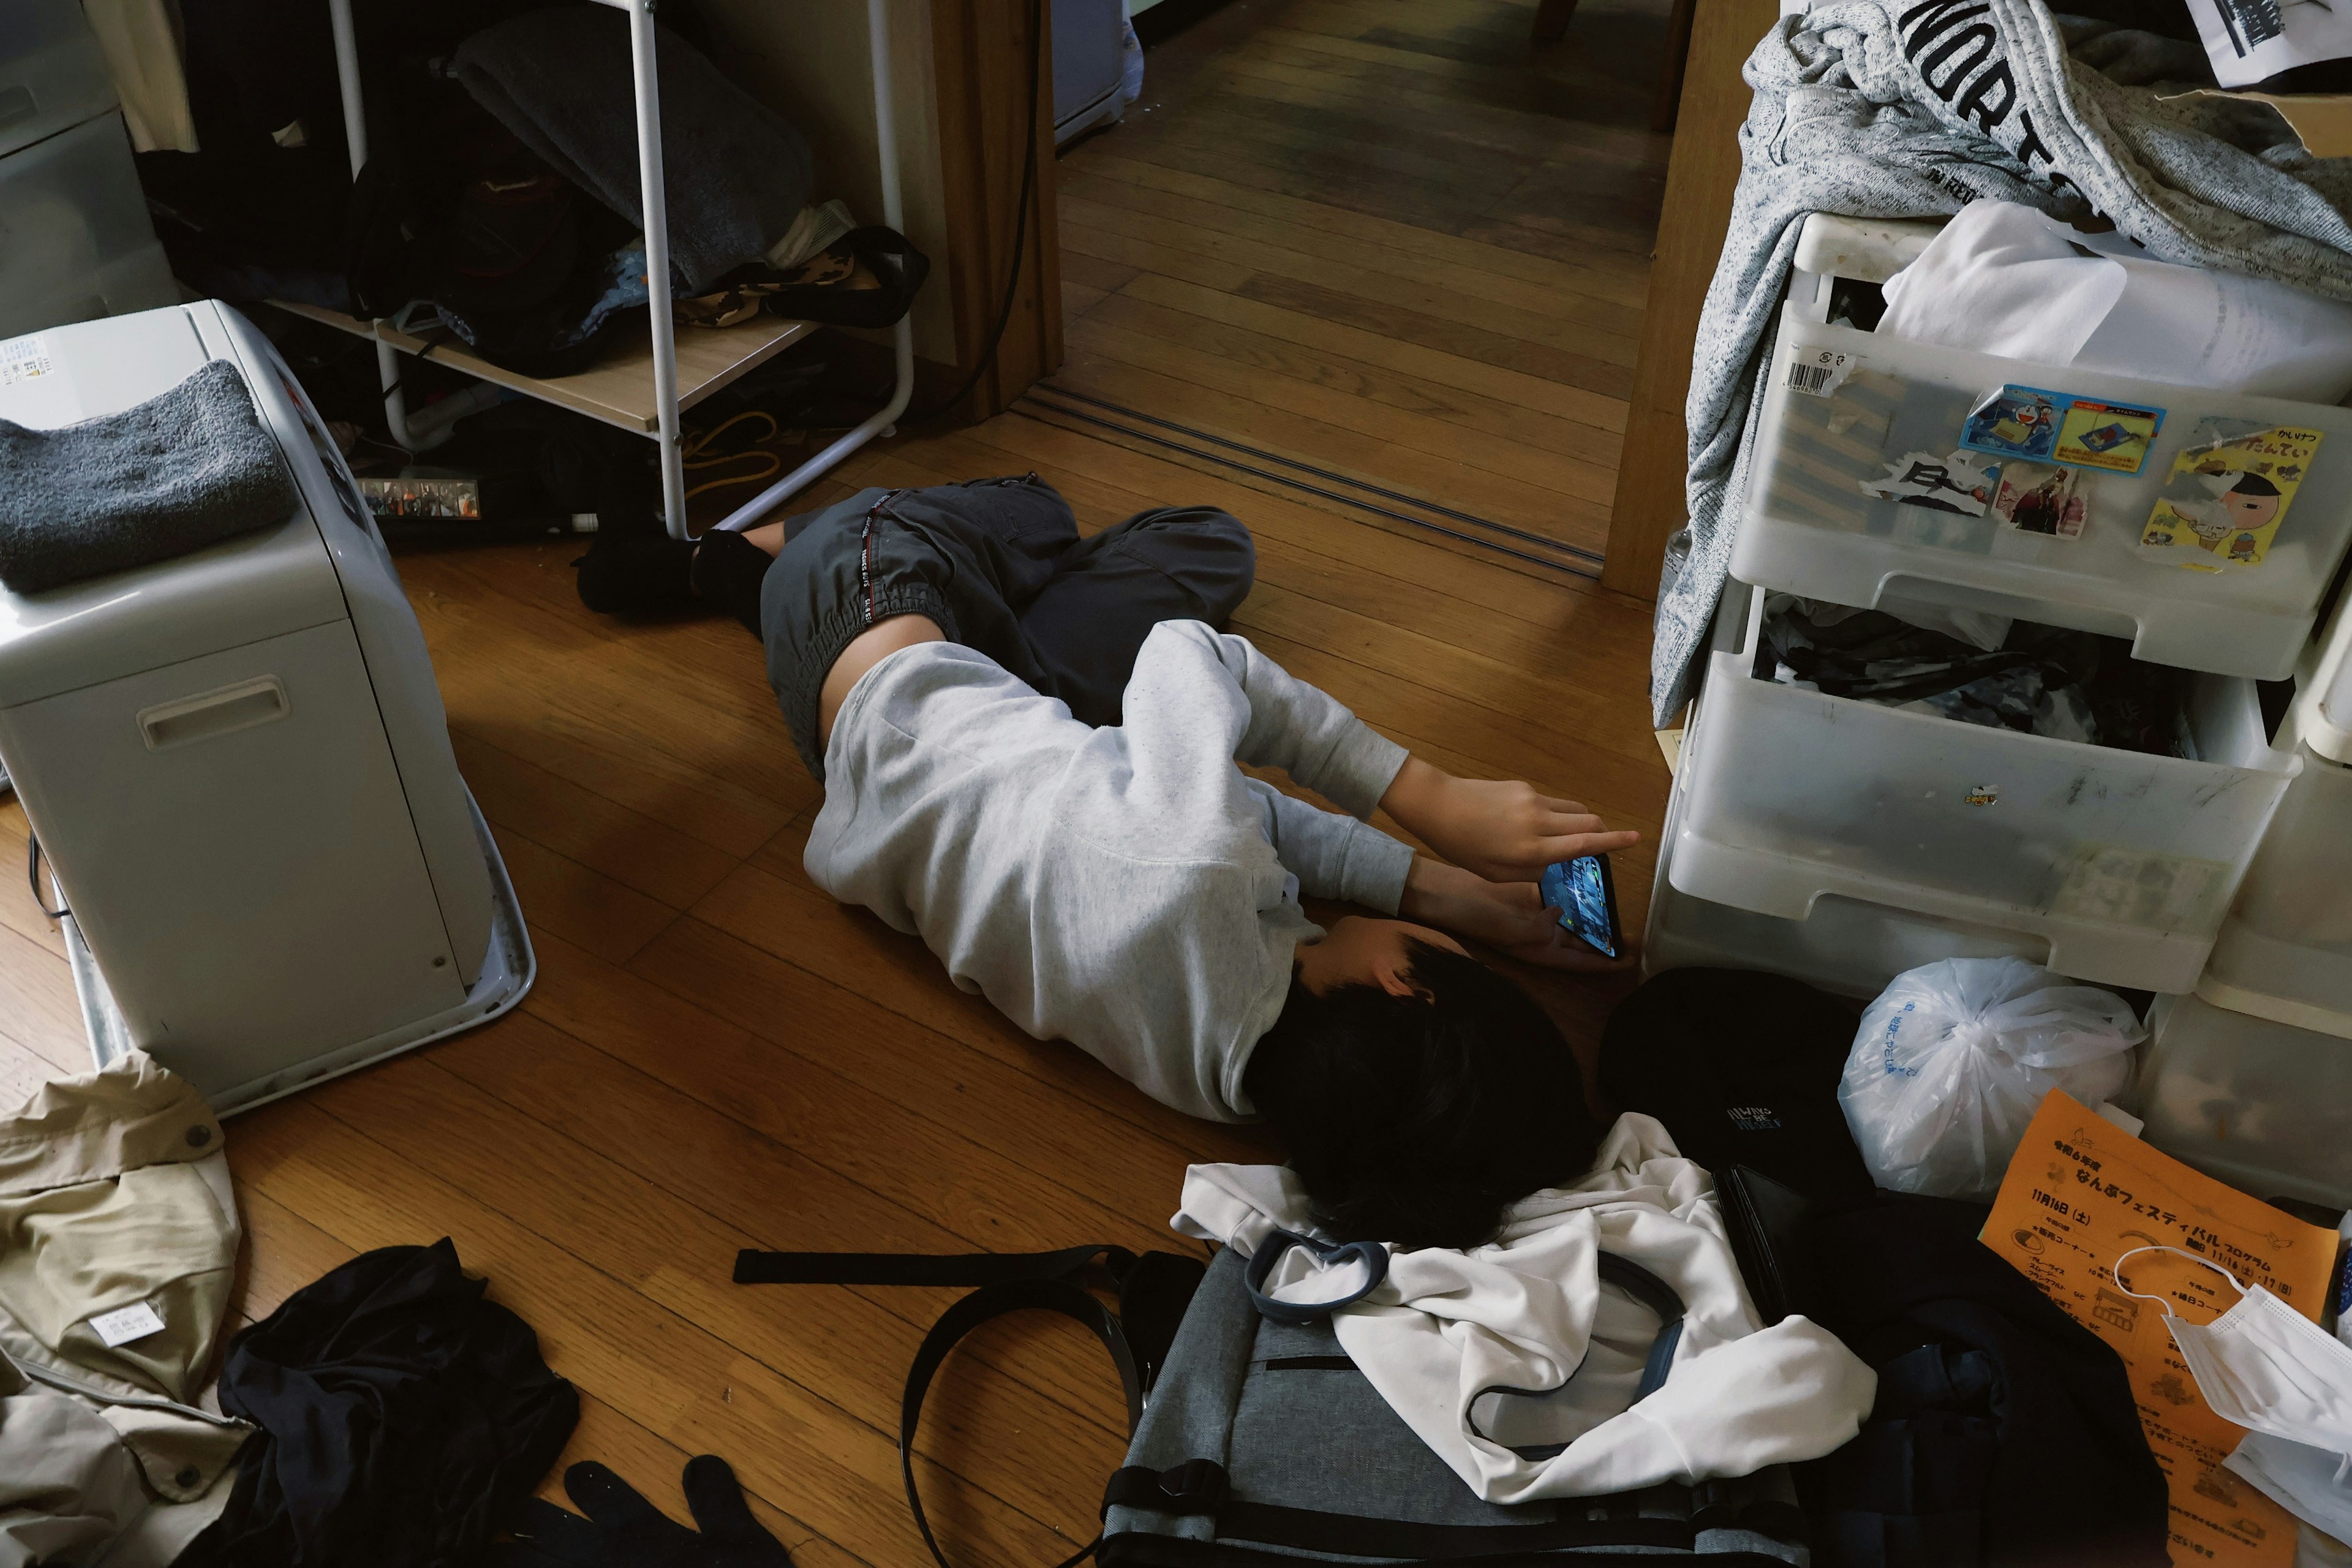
point(1593, 841)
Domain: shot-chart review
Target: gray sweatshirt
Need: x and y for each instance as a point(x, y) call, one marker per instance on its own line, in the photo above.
point(1130, 889)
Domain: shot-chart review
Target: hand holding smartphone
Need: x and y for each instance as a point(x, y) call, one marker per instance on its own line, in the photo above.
point(1585, 894)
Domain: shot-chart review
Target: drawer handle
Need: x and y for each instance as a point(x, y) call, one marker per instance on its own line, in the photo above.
point(211, 713)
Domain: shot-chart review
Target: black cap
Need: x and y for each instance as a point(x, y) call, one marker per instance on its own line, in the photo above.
point(1743, 1069)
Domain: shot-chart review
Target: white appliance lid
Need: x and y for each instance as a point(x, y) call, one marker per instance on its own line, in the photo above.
point(275, 580)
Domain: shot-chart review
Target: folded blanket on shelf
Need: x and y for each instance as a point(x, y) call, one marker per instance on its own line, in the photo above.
point(182, 470)
point(735, 176)
point(1915, 107)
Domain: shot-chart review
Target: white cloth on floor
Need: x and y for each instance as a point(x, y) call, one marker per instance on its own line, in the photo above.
point(1446, 1329)
point(2005, 278)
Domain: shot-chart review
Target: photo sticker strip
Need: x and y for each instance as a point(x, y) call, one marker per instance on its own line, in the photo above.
point(1958, 481)
point(2107, 435)
point(2015, 421)
point(2226, 497)
point(2042, 498)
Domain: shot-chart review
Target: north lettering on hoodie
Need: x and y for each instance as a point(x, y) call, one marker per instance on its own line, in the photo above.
point(1958, 51)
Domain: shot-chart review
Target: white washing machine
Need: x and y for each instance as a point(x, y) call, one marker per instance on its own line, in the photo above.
point(236, 764)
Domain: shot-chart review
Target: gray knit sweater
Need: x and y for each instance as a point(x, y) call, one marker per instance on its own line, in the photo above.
point(1129, 889)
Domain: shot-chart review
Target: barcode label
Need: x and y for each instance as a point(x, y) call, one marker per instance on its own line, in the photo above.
point(1817, 373)
point(22, 359)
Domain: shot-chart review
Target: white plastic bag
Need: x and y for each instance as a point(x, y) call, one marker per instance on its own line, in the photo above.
point(1954, 1058)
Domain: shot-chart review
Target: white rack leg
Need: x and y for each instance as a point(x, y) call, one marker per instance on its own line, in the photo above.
point(894, 212)
point(347, 77)
point(642, 62)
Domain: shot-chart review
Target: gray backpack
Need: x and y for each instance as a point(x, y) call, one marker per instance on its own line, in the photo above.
point(1257, 1442)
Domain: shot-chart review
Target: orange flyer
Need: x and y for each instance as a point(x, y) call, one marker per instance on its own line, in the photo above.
point(2080, 1193)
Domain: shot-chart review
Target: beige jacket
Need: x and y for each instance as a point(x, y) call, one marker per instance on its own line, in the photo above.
point(114, 1197)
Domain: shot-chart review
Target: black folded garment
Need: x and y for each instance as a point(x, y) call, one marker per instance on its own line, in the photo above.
point(402, 1417)
point(2004, 1435)
point(1742, 1068)
point(2044, 680)
point(177, 472)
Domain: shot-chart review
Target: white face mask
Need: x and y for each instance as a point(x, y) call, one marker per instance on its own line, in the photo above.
point(2264, 1365)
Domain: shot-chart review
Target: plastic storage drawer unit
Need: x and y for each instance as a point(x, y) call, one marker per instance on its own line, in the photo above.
point(1841, 945)
point(75, 241)
point(2323, 703)
point(2124, 863)
point(2262, 1105)
point(1848, 406)
point(2285, 951)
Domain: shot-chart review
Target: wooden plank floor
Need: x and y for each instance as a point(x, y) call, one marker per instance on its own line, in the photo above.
point(716, 1056)
point(1387, 236)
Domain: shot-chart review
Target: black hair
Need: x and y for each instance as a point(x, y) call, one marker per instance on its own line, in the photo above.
point(2252, 485)
point(1416, 1119)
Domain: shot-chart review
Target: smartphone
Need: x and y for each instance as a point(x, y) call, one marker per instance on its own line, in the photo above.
point(1586, 897)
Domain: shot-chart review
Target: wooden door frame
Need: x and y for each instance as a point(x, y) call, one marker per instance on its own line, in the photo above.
point(981, 52)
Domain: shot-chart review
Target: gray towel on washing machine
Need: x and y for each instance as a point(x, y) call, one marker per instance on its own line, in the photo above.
point(1915, 107)
point(182, 470)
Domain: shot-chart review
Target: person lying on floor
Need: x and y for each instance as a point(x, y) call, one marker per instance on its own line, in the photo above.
point(1032, 748)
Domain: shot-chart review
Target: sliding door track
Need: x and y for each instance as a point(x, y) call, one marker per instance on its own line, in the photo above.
point(1467, 527)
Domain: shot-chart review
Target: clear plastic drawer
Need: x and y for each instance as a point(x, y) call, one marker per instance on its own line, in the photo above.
point(1847, 410)
point(2262, 1106)
point(2285, 950)
point(2124, 863)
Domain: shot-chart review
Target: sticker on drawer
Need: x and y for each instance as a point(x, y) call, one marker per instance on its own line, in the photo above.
point(2106, 436)
point(2015, 421)
point(2228, 494)
point(1818, 372)
point(22, 359)
point(2043, 498)
point(1958, 481)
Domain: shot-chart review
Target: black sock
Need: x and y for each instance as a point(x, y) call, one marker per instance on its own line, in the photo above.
point(728, 571)
point(636, 571)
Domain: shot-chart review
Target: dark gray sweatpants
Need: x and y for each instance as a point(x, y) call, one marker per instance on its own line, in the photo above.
point(999, 565)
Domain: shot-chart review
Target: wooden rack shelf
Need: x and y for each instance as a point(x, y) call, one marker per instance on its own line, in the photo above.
point(619, 388)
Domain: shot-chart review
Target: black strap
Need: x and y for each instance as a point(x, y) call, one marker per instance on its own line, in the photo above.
point(1652, 1292)
point(1660, 1298)
point(1154, 1288)
point(990, 1302)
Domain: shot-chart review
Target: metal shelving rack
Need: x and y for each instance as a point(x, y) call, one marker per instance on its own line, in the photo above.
point(614, 393)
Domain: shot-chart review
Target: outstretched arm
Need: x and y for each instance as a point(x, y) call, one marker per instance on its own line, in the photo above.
point(1500, 828)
